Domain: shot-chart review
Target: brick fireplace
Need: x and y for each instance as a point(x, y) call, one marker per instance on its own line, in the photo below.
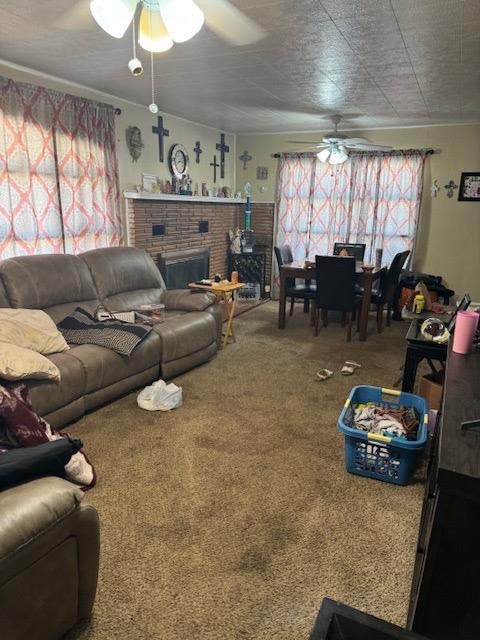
point(163, 224)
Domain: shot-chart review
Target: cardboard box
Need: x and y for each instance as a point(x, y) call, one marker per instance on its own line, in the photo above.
point(430, 387)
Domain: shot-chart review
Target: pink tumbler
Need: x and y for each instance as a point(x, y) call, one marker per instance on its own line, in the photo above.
point(465, 327)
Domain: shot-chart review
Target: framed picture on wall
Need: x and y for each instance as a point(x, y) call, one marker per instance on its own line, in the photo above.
point(469, 187)
point(149, 182)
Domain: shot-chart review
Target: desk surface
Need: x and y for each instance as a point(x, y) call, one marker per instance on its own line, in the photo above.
point(460, 449)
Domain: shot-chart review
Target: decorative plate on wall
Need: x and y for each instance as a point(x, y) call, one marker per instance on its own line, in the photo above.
point(178, 160)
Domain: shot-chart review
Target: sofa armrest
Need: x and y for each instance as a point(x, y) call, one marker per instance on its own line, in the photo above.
point(187, 300)
point(49, 544)
point(27, 510)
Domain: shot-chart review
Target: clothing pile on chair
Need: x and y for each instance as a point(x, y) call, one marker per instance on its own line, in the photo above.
point(384, 420)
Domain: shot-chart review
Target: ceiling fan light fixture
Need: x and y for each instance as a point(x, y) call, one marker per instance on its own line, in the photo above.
point(183, 18)
point(338, 156)
point(152, 32)
point(113, 16)
point(324, 155)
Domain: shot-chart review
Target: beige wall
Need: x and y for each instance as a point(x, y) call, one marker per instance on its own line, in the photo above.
point(181, 131)
point(449, 232)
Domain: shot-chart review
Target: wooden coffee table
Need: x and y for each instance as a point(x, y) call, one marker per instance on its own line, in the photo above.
point(224, 291)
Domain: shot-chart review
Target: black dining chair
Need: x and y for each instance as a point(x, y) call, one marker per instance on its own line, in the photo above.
point(357, 250)
point(385, 294)
point(304, 291)
point(335, 276)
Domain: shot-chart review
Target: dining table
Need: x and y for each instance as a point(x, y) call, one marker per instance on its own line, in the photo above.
point(306, 271)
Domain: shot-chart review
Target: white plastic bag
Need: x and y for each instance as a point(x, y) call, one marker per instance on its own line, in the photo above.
point(160, 396)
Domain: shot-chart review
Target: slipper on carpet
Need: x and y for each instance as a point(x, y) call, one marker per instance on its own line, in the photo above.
point(324, 374)
point(349, 367)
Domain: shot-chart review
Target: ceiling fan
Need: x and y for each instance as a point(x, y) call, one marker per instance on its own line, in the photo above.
point(163, 22)
point(335, 145)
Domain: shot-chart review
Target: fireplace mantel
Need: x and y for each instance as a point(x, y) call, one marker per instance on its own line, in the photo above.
point(146, 195)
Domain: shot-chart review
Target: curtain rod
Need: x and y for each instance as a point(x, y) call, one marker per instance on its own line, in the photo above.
point(427, 152)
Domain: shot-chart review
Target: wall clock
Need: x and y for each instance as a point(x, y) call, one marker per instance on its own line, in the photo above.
point(178, 160)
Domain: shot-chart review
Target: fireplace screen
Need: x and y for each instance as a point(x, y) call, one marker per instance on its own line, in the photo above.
point(178, 268)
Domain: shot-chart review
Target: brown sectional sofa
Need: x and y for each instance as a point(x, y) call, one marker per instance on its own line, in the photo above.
point(119, 278)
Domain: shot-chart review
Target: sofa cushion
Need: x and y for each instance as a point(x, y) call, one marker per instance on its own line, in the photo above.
point(47, 396)
point(125, 277)
point(104, 367)
point(183, 335)
point(4, 302)
point(55, 283)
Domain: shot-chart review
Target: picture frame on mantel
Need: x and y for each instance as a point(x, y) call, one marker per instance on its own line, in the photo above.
point(149, 182)
point(469, 187)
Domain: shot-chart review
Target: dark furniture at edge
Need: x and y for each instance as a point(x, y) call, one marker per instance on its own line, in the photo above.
point(445, 596)
point(418, 349)
point(337, 621)
point(251, 268)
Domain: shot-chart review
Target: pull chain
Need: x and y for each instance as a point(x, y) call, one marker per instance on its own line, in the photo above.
point(153, 107)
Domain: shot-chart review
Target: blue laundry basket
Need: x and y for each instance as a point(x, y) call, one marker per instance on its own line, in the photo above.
point(387, 458)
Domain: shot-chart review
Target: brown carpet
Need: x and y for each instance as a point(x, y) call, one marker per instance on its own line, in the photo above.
point(232, 517)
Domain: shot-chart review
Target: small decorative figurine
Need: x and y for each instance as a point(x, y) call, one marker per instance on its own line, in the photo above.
point(204, 189)
point(235, 236)
point(167, 187)
point(434, 189)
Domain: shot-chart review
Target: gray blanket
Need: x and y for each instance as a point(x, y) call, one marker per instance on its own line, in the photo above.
point(82, 328)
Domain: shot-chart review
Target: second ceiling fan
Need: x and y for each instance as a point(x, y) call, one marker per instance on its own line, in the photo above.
point(334, 146)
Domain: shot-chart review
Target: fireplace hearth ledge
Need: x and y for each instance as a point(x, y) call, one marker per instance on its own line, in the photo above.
point(135, 195)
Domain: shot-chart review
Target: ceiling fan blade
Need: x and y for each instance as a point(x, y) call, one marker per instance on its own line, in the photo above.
point(77, 18)
point(229, 23)
point(309, 142)
point(368, 147)
point(357, 141)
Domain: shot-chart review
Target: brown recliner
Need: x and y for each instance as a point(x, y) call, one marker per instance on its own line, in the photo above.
point(49, 552)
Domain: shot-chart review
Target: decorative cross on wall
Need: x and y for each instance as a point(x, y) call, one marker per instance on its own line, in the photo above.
point(450, 187)
point(161, 132)
point(197, 151)
point(214, 164)
point(223, 148)
point(245, 158)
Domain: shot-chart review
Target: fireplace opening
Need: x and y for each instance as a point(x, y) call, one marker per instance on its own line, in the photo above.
point(178, 268)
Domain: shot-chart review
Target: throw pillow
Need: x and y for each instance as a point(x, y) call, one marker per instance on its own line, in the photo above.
point(28, 429)
point(32, 329)
point(17, 363)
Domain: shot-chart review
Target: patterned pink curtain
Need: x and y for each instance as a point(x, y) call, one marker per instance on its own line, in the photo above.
point(372, 198)
point(58, 172)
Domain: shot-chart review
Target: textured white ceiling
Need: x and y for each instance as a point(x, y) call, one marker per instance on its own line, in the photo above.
point(380, 63)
